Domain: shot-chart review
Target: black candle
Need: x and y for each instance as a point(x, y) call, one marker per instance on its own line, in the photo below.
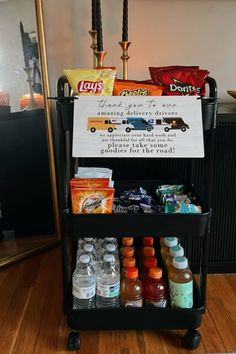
point(125, 22)
point(24, 45)
point(99, 27)
point(94, 18)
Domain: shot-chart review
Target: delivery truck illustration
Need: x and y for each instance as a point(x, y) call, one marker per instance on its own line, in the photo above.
point(169, 123)
point(100, 123)
point(140, 123)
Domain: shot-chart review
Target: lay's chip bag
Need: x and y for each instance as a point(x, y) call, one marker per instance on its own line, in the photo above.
point(91, 82)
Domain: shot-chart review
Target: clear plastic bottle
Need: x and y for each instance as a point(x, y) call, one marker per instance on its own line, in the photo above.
point(111, 249)
point(175, 251)
point(82, 243)
point(109, 240)
point(181, 283)
point(131, 292)
point(165, 249)
point(90, 251)
point(155, 289)
point(108, 284)
point(128, 262)
point(84, 284)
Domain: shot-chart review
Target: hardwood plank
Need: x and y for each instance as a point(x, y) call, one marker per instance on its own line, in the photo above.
point(226, 327)
point(13, 319)
point(211, 338)
point(37, 305)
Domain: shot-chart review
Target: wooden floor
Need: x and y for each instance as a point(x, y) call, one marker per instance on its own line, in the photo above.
point(32, 321)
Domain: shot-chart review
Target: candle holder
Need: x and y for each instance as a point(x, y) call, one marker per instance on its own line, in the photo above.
point(32, 104)
point(125, 57)
point(100, 57)
point(93, 35)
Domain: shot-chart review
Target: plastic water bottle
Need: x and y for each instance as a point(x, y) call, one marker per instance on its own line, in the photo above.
point(90, 251)
point(84, 284)
point(82, 243)
point(111, 249)
point(108, 284)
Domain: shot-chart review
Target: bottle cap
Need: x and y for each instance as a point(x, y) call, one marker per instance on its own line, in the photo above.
point(131, 273)
point(148, 251)
point(109, 258)
point(110, 247)
point(88, 247)
point(150, 262)
point(176, 251)
point(148, 241)
point(109, 239)
point(180, 262)
point(127, 252)
point(84, 258)
point(127, 241)
point(129, 262)
point(155, 273)
point(88, 239)
point(170, 241)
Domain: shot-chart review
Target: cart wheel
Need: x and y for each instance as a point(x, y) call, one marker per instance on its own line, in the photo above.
point(73, 342)
point(191, 339)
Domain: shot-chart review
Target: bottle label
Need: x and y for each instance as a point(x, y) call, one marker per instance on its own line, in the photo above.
point(181, 294)
point(108, 290)
point(134, 303)
point(84, 292)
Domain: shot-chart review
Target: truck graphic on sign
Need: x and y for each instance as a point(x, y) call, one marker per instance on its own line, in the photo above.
point(169, 123)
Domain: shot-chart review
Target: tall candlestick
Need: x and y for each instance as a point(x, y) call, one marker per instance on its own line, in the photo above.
point(125, 22)
point(99, 28)
point(125, 57)
point(94, 16)
point(24, 42)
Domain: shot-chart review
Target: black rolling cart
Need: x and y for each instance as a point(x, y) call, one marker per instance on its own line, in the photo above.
point(126, 175)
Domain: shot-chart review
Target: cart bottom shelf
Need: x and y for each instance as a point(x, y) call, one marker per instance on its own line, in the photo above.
point(135, 318)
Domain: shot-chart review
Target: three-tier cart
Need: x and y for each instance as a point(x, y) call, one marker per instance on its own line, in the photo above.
point(129, 173)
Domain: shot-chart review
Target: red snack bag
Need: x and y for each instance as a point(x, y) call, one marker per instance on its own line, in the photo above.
point(155, 70)
point(182, 81)
point(136, 88)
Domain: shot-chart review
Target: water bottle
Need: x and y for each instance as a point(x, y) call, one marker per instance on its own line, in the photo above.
point(90, 251)
point(82, 243)
point(108, 284)
point(111, 249)
point(109, 240)
point(84, 284)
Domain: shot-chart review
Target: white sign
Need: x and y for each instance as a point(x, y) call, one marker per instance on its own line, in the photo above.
point(151, 126)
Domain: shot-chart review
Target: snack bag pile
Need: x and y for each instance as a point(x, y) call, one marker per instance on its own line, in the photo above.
point(176, 200)
point(92, 191)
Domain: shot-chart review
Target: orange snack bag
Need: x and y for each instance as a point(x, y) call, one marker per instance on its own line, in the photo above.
point(136, 88)
point(82, 182)
point(92, 200)
point(91, 82)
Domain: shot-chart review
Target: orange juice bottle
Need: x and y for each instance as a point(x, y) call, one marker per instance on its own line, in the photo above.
point(128, 262)
point(131, 291)
point(148, 251)
point(126, 252)
point(146, 241)
point(155, 289)
point(180, 283)
point(149, 262)
point(127, 242)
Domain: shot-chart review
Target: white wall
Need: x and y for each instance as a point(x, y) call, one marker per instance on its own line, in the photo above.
point(162, 32)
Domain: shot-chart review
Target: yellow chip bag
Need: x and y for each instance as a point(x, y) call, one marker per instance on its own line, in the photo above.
point(91, 82)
